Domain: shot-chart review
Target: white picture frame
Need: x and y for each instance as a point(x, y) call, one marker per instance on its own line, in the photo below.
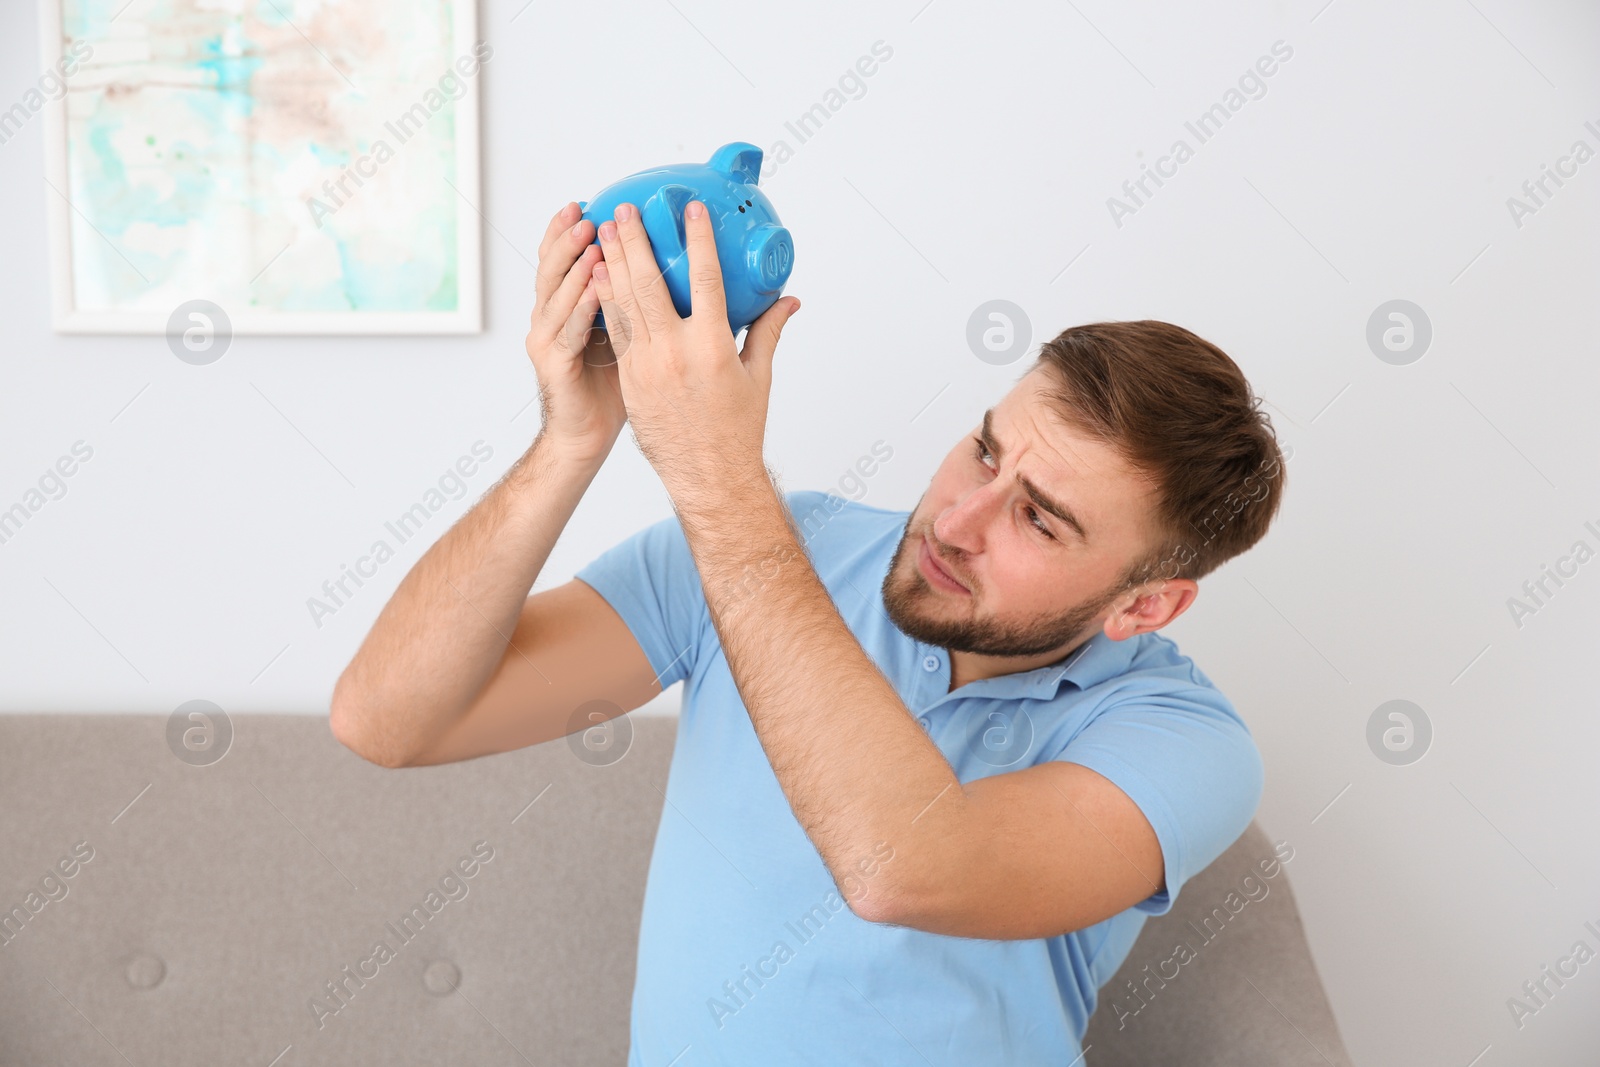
point(71, 315)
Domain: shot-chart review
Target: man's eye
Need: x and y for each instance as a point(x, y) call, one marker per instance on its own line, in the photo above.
point(980, 452)
point(1039, 525)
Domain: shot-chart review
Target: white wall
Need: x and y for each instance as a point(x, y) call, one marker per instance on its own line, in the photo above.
point(977, 166)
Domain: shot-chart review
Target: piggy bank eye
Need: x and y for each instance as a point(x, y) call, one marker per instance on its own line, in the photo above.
point(748, 204)
point(741, 209)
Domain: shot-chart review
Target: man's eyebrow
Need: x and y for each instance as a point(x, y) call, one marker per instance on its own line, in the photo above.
point(1039, 496)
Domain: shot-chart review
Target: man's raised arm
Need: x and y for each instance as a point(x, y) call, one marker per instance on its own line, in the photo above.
point(437, 654)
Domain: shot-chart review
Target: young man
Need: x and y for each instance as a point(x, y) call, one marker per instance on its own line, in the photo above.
point(933, 769)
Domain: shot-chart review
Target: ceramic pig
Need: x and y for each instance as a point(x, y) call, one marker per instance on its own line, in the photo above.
point(754, 249)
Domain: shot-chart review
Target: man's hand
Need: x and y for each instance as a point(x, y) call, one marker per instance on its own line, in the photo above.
point(697, 403)
point(580, 401)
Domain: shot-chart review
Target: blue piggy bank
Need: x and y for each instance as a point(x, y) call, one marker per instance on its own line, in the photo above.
point(754, 249)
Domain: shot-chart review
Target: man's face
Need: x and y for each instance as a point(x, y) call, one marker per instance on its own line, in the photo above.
point(1030, 582)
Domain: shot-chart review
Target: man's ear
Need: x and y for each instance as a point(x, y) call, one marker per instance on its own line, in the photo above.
point(1151, 607)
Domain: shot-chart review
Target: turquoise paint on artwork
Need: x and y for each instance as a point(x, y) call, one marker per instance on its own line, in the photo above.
point(190, 153)
point(347, 273)
point(445, 298)
point(230, 74)
point(113, 201)
point(78, 19)
point(111, 169)
point(271, 14)
point(335, 157)
point(119, 199)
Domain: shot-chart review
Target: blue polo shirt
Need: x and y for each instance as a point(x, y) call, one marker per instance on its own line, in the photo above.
point(747, 952)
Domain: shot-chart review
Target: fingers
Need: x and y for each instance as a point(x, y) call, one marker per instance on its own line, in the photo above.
point(619, 325)
point(556, 307)
point(761, 342)
point(706, 298)
point(646, 288)
point(614, 282)
point(579, 330)
point(561, 220)
point(557, 252)
point(564, 241)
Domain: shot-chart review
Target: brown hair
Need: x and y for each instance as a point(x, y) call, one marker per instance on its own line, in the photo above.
point(1178, 409)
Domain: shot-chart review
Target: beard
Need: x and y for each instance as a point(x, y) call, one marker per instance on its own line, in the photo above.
point(932, 616)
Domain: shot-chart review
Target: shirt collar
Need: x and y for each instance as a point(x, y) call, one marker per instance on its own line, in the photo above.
point(1096, 660)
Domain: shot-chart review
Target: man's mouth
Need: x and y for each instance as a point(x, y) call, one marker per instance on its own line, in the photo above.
point(936, 572)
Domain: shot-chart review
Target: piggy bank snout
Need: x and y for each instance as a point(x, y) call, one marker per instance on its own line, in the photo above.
point(771, 257)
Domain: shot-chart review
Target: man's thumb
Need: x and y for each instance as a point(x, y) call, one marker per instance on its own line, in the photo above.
point(762, 339)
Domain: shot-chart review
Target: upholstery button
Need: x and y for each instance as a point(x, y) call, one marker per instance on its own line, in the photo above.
point(145, 972)
point(930, 663)
point(441, 977)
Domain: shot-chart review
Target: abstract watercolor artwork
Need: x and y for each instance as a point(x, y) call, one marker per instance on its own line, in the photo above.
point(308, 166)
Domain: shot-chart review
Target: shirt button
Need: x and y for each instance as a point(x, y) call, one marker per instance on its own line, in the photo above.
point(930, 663)
point(926, 725)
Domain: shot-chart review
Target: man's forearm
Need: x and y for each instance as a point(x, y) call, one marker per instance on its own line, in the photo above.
point(440, 637)
point(856, 768)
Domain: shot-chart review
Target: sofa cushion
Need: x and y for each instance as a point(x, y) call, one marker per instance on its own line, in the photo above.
point(220, 899)
point(214, 903)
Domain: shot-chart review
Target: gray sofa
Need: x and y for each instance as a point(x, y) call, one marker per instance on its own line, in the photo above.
point(170, 907)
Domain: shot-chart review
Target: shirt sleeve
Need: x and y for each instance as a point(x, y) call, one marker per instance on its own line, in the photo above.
point(650, 579)
point(1188, 761)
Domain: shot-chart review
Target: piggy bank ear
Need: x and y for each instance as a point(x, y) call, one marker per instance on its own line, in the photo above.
point(663, 220)
point(739, 160)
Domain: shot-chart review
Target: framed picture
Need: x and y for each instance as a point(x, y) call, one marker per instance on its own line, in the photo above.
point(300, 166)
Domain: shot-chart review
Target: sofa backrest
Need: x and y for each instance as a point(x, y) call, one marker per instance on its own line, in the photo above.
point(163, 905)
point(1224, 978)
